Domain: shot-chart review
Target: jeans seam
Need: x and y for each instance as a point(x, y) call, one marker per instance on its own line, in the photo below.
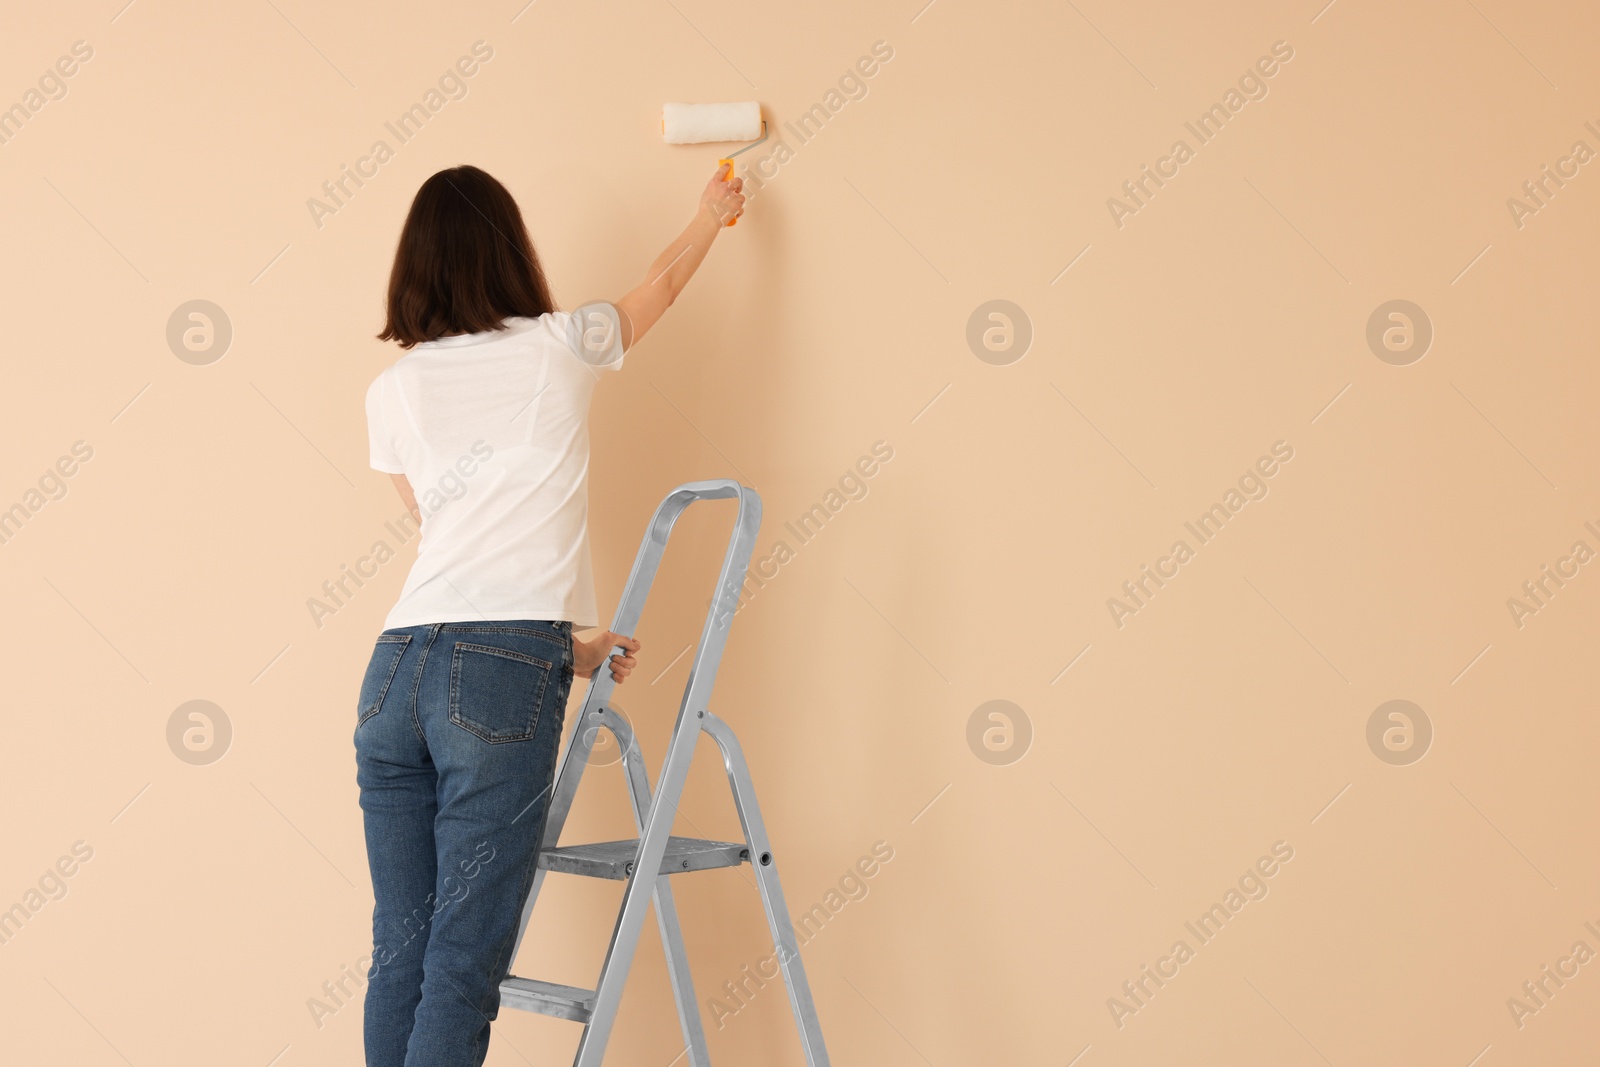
point(507, 945)
point(508, 653)
point(416, 683)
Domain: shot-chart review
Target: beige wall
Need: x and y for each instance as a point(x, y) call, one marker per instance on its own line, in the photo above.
point(1164, 757)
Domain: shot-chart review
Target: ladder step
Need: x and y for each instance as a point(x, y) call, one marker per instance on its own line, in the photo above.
point(614, 859)
point(547, 998)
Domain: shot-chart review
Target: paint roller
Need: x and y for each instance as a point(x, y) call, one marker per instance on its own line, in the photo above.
point(702, 123)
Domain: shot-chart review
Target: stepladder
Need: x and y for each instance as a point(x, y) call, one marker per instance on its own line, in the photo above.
point(649, 862)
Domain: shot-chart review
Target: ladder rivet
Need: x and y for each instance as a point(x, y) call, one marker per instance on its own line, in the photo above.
point(701, 714)
point(766, 859)
point(686, 865)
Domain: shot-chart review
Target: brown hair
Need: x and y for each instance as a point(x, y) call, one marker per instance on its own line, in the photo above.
point(464, 263)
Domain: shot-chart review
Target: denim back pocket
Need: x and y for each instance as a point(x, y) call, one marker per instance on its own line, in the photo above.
point(496, 693)
point(380, 673)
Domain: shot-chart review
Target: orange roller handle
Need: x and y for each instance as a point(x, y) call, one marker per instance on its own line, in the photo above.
point(729, 162)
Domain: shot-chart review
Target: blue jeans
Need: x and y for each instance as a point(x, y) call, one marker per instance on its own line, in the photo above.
point(456, 742)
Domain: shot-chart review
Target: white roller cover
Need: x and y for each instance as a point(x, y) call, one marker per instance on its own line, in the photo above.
point(696, 123)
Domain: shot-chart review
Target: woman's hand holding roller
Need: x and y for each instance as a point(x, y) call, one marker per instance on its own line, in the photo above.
point(589, 655)
point(723, 198)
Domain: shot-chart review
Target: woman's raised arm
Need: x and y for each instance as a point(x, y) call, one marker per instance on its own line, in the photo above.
point(722, 200)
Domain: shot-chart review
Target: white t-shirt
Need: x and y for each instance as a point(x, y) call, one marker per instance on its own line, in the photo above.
point(492, 431)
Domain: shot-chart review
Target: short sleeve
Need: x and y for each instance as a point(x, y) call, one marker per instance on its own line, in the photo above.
point(383, 455)
point(593, 331)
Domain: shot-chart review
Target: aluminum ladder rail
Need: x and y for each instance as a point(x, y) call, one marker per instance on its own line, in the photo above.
point(647, 863)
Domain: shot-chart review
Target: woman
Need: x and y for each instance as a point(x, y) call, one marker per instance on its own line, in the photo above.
point(483, 426)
